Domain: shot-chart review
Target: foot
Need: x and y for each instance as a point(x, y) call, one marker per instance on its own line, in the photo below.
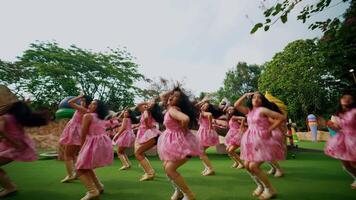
point(189, 196)
point(234, 165)
point(268, 194)
point(258, 191)
point(125, 167)
point(204, 171)
point(240, 166)
point(147, 177)
point(91, 195)
point(68, 179)
point(271, 171)
point(7, 192)
point(353, 185)
point(177, 195)
point(209, 172)
point(278, 173)
point(100, 188)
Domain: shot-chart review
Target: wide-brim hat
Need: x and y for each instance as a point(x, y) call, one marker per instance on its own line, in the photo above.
point(7, 98)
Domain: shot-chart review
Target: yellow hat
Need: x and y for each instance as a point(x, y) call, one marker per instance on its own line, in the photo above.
point(278, 102)
point(7, 98)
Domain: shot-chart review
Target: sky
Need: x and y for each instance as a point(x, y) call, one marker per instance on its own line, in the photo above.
point(196, 41)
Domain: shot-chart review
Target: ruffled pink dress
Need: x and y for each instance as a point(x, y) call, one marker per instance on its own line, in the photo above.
point(233, 136)
point(342, 146)
point(71, 134)
point(126, 138)
point(257, 145)
point(175, 143)
point(207, 137)
point(16, 132)
point(97, 150)
point(144, 133)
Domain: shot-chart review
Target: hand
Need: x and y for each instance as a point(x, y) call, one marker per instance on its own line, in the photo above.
point(249, 94)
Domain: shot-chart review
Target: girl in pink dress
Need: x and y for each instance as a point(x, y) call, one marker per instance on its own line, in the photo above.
point(125, 138)
point(177, 143)
point(207, 136)
point(234, 135)
point(15, 145)
point(342, 146)
point(96, 149)
point(278, 135)
point(71, 135)
point(257, 143)
point(147, 135)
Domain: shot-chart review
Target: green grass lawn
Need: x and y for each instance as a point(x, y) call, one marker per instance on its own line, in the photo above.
point(312, 175)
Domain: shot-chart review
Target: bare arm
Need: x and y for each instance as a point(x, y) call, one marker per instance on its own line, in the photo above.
point(141, 106)
point(181, 117)
point(85, 128)
point(238, 104)
point(75, 106)
point(5, 135)
point(122, 128)
point(278, 118)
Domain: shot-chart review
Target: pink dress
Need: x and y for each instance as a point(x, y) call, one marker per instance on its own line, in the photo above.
point(71, 134)
point(144, 134)
point(233, 136)
point(97, 150)
point(207, 137)
point(16, 132)
point(176, 144)
point(126, 138)
point(257, 145)
point(342, 146)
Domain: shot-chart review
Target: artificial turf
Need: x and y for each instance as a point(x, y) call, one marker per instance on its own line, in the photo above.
point(311, 175)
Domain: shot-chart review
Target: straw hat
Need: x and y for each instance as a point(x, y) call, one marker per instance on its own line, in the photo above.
point(7, 98)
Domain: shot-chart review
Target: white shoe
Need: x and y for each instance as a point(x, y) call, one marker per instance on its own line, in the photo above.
point(278, 173)
point(7, 192)
point(353, 185)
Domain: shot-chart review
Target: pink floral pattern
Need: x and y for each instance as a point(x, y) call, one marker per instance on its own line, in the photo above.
point(71, 134)
point(97, 150)
point(233, 136)
point(175, 143)
point(207, 137)
point(16, 132)
point(126, 138)
point(343, 145)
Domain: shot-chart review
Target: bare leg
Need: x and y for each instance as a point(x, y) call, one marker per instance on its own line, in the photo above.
point(5, 181)
point(171, 171)
point(139, 154)
point(269, 191)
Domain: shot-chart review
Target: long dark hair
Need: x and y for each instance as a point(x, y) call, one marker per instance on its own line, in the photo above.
point(101, 110)
point(24, 115)
point(187, 107)
point(353, 105)
point(88, 99)
point(265, 103)
point(156, 112)
point(235, 113)
point(214, 110)
point(133, 117)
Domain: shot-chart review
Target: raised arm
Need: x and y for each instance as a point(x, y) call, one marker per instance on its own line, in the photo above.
point(277, 118)
point(238, 104)
point(75, 106)
point(181, 117)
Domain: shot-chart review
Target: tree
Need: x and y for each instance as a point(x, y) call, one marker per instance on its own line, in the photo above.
point(158, 85)
point(338, 45)
point(298, 76)
point(281, 10)
point(239, 80)
point(50, 73)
